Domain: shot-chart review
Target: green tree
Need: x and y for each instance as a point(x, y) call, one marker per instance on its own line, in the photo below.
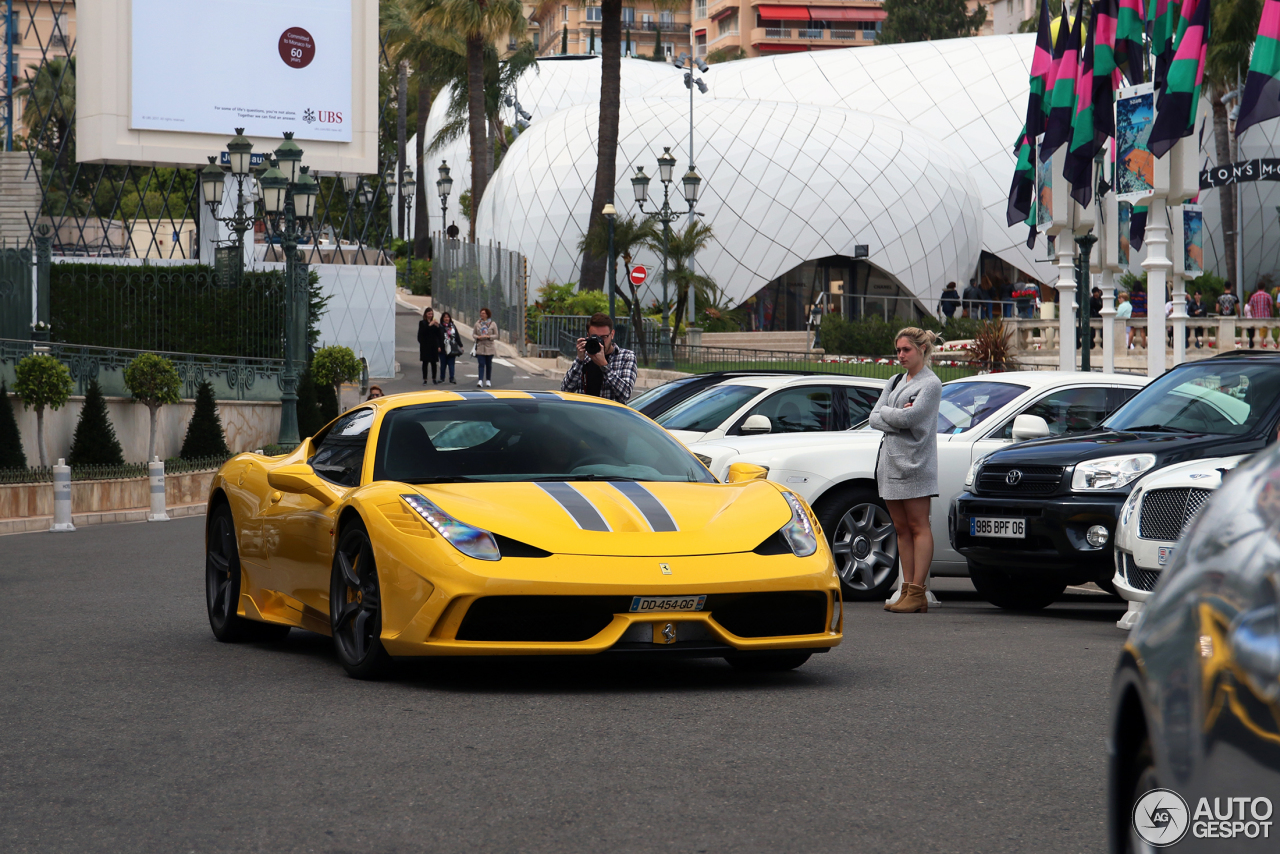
point(478, 23)
point(154, 381)
point(11, 454)
point(629, 234)
point(1234, 26)
point(310, 419)
point(204, 432)
point(42, 381)
point(725, 54)
point(927, 20)
point(682, 246)
point(95, 442)
point(332, 366)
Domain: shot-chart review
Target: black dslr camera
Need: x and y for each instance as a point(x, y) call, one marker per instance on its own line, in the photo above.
point(594, 344)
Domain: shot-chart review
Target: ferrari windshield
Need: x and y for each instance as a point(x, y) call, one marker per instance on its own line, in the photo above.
point(513, 439)
point(1205, 397)
point(966, 405)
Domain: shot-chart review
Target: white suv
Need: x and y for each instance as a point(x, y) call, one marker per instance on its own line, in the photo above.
point(835, 472)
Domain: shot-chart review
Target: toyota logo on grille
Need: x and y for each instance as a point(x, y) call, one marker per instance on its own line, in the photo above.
point(1013, 478)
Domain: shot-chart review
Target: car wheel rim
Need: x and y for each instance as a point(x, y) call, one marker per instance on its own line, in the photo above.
point(865, 546)
point(218, 566)
point(356, 601)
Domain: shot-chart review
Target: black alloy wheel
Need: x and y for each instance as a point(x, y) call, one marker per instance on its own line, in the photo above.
point(768, 662)
point(1012, 593)
point(863, 542)
point(355, 606)
point(222, 585)
point(1142, 771)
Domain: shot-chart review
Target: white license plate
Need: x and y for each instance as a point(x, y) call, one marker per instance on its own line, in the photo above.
point(1009, 529)
point(644, 604)
point(1166, 554)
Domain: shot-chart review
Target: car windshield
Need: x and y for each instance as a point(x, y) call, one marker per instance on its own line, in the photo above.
point(707, 409)
point(656, 394)
point(966, 405)
point(1204, 397)
point(514, 439)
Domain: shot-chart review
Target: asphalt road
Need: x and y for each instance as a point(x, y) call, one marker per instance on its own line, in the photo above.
point(127, 727)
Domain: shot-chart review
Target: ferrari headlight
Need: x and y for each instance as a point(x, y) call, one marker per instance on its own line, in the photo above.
point(1130, 504)
point(473, 542)
point(1111, 472)
point(799, 532)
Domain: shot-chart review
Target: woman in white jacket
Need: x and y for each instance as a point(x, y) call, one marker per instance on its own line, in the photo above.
point(907, 468)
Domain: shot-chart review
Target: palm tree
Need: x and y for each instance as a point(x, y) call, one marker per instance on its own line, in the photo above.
point(682, 245)
point(593, 262)
point(1235, 24)
point(49, 107)
point(477, 23)
point(629, 234)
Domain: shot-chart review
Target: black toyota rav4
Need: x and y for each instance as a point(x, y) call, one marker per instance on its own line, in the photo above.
point(1040, 515)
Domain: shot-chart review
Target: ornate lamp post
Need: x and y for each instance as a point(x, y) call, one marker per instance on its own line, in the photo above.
point(666, 216)
point(289, 194)
point(409, 186)
point(443, 185)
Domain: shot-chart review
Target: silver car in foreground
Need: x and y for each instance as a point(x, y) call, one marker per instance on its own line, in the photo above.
point(1195, 707)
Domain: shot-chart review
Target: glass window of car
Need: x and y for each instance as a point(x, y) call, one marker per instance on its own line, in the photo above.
point(1204, 397)
point(708, 409)
point(657, 393)
point(803, 409)
point(1067, 410)
point(518, 439)
point(340, 456)
point(966, 405)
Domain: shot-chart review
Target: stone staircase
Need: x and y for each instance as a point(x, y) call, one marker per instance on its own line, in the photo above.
point(792, 342)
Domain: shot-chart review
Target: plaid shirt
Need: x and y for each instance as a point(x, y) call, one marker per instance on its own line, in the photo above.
point(619, 376)
point(1260, 304)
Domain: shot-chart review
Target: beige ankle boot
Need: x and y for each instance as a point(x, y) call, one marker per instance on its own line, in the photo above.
point(901, 595)
point(912, 602)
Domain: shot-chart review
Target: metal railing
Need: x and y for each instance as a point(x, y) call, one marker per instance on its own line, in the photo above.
point(777, 32)
point(232, 378)
point(1214, 334)
point(126, 471)
point(466, 277)
point(559, 333)
point(809, 34)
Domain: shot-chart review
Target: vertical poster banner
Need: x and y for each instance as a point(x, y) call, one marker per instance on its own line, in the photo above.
point(1192, 241)
point(209, 66)
point(1044, 190)
point(1135, 164)
point(1124, 214)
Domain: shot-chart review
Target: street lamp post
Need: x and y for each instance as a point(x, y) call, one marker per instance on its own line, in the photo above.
point(409, 188)
point(443, 185)
point(288, 193)
point(610, 212)
point(666, 216)
point(689, 83)
point(1085, 242)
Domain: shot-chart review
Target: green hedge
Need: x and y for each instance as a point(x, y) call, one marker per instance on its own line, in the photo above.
point(872, 337)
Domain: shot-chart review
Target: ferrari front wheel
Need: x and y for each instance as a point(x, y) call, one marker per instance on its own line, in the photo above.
point(222, 585)
point(355, 606)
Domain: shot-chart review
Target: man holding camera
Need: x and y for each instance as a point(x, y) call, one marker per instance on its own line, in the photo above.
point(601, 369)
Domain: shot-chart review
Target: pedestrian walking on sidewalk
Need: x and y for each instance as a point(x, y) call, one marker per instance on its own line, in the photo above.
point(450, 348)
point(907, 466)
point(485, 332)
point(429, 341)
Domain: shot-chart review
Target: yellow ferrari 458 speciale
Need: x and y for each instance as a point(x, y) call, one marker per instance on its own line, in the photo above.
point(514, 523)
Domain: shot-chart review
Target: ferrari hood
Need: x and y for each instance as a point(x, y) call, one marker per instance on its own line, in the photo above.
point(620, 519)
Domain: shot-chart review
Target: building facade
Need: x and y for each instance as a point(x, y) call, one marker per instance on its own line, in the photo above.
point(727, 29)
point(573, 29)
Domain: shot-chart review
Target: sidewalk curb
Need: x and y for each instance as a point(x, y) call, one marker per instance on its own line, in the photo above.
point(31, 524)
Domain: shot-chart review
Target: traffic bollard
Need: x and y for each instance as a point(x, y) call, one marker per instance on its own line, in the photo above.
point(155, 469)
point(62, 497)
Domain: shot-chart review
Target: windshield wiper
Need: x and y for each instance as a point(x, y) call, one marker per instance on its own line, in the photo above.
point(1154, 428)
point(443, 479)
point(569, 477)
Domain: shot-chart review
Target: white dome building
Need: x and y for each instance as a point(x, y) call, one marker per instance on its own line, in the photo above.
point(903, 149)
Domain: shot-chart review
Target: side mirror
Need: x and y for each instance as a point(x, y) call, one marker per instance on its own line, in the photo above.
point(743, 472)
point(1029, 427)
point(299, 479)
point(756, 424)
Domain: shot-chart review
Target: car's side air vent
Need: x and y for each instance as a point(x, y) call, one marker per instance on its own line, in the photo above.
point(515, 548)
point(774, 544)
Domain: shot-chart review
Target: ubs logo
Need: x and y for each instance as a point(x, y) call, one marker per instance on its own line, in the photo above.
point(324, 117)
point(308, 116)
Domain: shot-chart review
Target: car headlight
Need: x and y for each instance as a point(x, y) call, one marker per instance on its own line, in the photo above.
point(973, 472)
point(799, 532)
point(1130, 504)
point(704, 459)
point(1111, 472)
point(471, 541)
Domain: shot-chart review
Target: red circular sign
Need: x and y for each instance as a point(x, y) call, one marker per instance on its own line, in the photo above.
point(638, 274)
point(297, 48)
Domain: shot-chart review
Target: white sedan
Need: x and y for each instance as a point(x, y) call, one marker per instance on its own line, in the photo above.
point(835, 472)
point(1154, 519)
point(747, 406)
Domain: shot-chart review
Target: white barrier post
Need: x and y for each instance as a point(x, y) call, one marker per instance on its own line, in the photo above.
point(62, 497)
point(155, 470)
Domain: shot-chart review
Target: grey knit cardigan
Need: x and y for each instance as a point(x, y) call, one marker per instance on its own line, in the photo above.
point(908, 416)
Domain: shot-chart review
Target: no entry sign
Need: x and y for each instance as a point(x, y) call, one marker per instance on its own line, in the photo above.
point(638, 274)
